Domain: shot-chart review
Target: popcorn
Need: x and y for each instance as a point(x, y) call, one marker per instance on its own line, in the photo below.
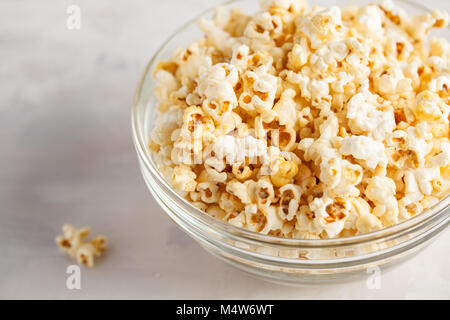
point(283, 172)
point(73, 242)
point(330, 214)
point(438, 47)
point(264, 192)
point(381, 190)
point(167, 122)
point(216, 212)
point(166, 83)
point(262, 29)
point(240, 190)
point(442, 159)
point(230, 203)
point(299, 55)
point(392, 80)
point(322, 25)
point(427, 106)
point(284, 139)
point(365, 148)
point(209, 192)
point(419, 26)
point(393, 13)
point(417, 145)
point(189, 62)
point(183, 178)
point(308, 123)
point(365, 221)
point(305, 222)
point(239, 220)
point(369, 21)
point(261, 93)
point(262, 220)
point(214, 168)
point(285, 108)
point(341, 176)
point(216, 86)
point(289, 201)
point(241, 172)
point(364, 117)
point(240, 57)
point(424, 178)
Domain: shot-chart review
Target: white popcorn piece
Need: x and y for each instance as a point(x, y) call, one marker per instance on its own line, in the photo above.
point(183, 178)
point(420, 26)
point(262, 92)
point(417, 144)
point(289, 201)
point(361, 217)
point(239, 220)
point(165, 84)
point(427, 106)
point(240, 190)
point(321, 26)
point(216, 86)
point(230, 204)
point(370, 20)
point(240, 57)
point(330, 214)
point(366, 118)
point(341, 176)
point(262, 220)
point(166, 123)
point(381, 190)
point(424, 178)
point(285, 108)
point(442, 159)
point(209, 192)
point(299, 55)
point(264, 192)
point(365, 148)
point(262, 29)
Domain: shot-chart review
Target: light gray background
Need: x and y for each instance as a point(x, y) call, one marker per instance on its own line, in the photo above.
point(66, 155)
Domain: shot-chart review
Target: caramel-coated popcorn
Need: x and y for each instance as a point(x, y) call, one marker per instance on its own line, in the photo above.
point(308, 122)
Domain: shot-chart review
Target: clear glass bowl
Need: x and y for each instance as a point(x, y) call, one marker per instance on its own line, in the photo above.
point(276, 259)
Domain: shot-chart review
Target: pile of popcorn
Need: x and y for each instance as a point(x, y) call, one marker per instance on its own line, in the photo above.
point(308, 122)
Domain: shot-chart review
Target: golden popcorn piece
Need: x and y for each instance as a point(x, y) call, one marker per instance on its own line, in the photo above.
point(284, 173)
point(73, 241)
point(426, 106)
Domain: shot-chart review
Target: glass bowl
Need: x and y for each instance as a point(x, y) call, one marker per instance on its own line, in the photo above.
point(286, 261)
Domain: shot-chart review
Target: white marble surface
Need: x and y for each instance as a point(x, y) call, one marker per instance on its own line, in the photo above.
point(67, 156)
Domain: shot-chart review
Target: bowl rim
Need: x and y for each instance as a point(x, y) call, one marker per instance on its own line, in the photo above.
point(199, 215)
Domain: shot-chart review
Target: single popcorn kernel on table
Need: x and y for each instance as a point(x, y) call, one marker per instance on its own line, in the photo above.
point(307, 122)
point(73, 242)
